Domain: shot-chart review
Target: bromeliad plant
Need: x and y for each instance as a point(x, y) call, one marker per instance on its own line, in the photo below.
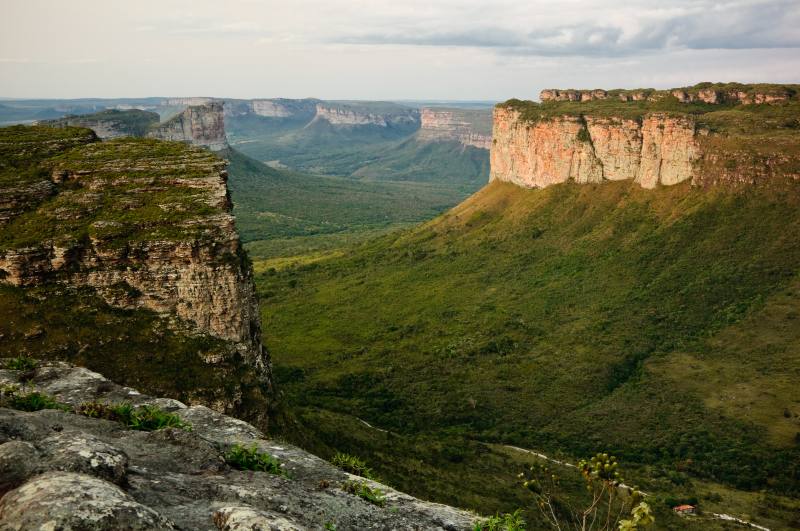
point(252, 459)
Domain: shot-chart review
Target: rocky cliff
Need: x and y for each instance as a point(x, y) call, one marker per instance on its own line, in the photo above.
point(111, 123)
point(78, 465)
point(199, 125)
point(375, 114)
point(711, 93)
point(470, 128)
point(662, 141)
point(146, 225)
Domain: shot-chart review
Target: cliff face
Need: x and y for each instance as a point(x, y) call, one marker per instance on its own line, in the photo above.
point(710, 93)
point(444, 125)
point(354, 115)
point(111, 123)
point(658, 150)
point(147, 226)
point(198, 125)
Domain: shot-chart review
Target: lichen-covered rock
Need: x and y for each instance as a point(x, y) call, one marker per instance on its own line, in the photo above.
point(85, 454)
point(244, 518)
point(18, 462)
point(178, 477)
point(75, 502)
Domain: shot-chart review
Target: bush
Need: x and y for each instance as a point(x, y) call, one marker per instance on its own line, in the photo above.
point(364, 491)
point(21, 363)
point(251, 459)
point(506, 522)
point(352, 464)
point(34, 402)
point(143, 418)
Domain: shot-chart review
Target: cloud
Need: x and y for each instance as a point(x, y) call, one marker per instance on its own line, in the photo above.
point(676, 25)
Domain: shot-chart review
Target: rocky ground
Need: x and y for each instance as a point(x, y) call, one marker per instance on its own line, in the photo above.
point(62, 470)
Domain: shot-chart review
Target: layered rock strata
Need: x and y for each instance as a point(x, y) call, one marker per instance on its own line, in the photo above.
point(198, 125)
point(714, 94)
point(62, 470)
point(660, 149)
point(446, 125)
point(148, 225)
point(353, 115)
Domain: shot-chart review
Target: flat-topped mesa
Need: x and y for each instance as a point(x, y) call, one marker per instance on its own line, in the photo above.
point(711, 93)
point(368, 113)
point(111, 123)
point(192, 100)
point(199, 125)
point(660, 141)
point(147, 225)
point(469, 128)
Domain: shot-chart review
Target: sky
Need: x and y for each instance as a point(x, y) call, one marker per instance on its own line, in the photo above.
point(388, 49)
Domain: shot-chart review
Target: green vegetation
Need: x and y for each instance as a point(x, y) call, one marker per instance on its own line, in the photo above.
point(352, 465)
point(525, 317)
point(252, 459)
point(280, 213)
point(364, 491)
point(141, 418)
point(503, 522)
point(21, 363)
point(132, 122)
point(33, 401)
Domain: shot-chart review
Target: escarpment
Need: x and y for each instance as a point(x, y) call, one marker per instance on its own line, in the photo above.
point(111, 123)
point(198, 125)
point(146, 226)
point(662, 141)
point(469, 128)
point(367, 114)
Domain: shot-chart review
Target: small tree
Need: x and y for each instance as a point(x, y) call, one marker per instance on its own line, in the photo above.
point(610, 498)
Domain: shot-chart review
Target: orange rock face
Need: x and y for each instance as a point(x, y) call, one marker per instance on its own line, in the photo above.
point(660, 150)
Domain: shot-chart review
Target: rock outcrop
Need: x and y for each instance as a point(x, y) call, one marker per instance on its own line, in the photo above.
point(367, 114)
point(455, 125)
point(198, 125)
point(62, 470)
point(710, 93)
point(660, 149)
point(147, 225)
point(111, 123)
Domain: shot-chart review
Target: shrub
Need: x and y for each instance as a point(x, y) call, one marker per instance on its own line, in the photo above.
point(21, 363)
point(505, 522)
point(251, 459)
point(34, 402)
point(352, 464)
point(364, 491)
point(143, 418)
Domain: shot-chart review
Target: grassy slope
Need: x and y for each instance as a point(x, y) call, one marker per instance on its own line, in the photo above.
point(655, 324)
point(281, 212)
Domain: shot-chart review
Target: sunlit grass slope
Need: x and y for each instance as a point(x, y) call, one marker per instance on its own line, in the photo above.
point(660, 325)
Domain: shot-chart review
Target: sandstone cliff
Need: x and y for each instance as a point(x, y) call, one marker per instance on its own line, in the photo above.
point(711, 93)
point(658, 150)
point(64, 470)
point(653, 142)
point(199, 125)
point(147, 226)
point(469, 128)
point(111, 123)
point(374, 114)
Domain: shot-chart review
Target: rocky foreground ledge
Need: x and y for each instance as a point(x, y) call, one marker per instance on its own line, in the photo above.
point(62, 470)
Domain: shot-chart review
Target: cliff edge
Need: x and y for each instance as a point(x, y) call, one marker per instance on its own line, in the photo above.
point(71, 466)
point(656, 140)
point(140, 233)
